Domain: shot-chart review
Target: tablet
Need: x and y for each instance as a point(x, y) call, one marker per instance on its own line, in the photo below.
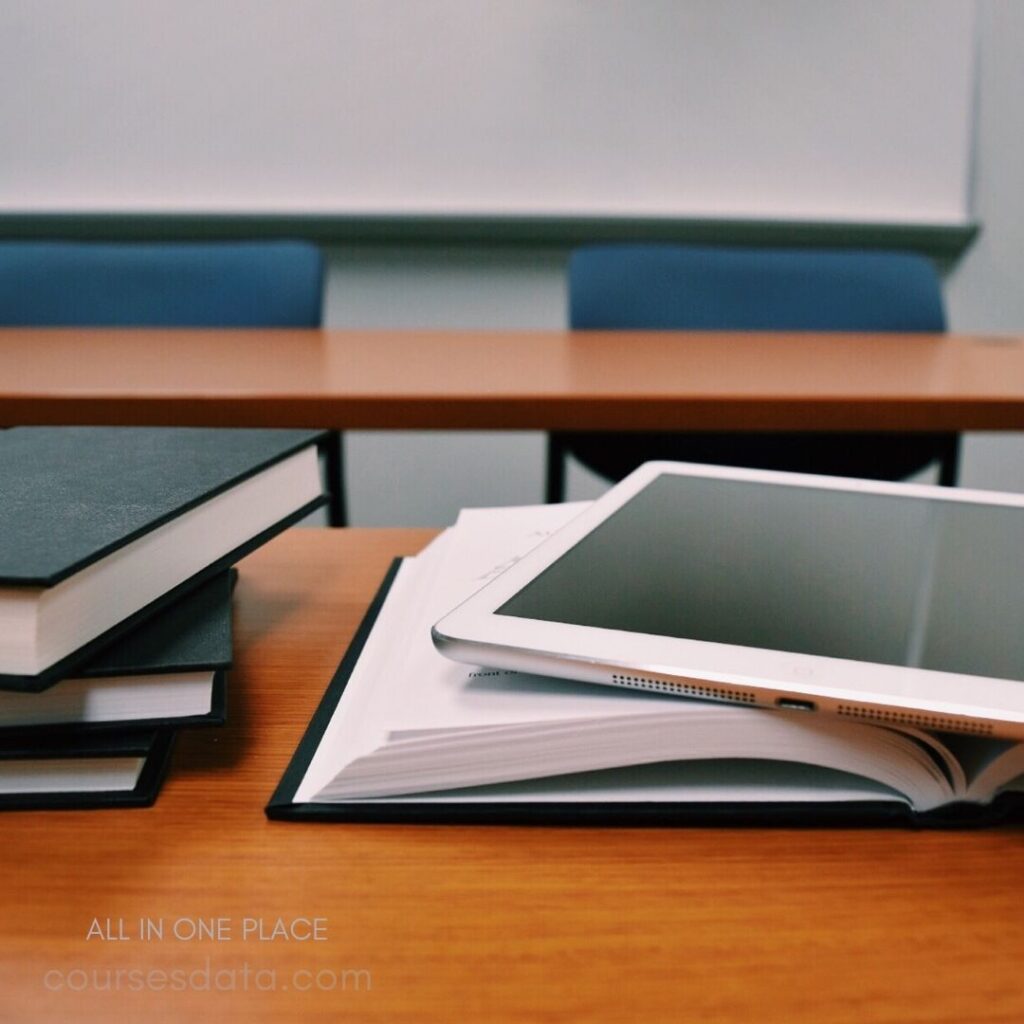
point(892, 602)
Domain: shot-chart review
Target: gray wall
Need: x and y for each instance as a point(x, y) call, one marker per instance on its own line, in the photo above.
point(409, 478)
point(985, 292)
point(421, 478)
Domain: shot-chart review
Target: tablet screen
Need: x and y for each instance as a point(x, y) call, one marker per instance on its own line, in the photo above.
point(894, 580)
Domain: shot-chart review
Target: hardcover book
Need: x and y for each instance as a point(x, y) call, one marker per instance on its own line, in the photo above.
point(100, 527)
point(83, 770)
point(170, 671)
point(404, 734)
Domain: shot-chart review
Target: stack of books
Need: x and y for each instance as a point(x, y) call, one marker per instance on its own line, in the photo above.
point(116, 555)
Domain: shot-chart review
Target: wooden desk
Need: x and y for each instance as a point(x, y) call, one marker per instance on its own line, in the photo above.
point(482, 924)
point(512, 380)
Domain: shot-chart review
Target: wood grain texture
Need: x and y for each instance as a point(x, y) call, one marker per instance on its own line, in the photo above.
point(512, 380)
point(484, 924)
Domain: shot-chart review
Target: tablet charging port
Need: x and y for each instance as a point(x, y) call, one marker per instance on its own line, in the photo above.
point(792, 704)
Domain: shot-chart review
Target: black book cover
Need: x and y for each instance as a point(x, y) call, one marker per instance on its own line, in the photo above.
point(160, 473)
point(191, 634)
point(153, 745)
point(72, 495)
point(880, 813)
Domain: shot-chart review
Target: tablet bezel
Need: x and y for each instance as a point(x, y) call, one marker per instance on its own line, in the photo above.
point(893, 694)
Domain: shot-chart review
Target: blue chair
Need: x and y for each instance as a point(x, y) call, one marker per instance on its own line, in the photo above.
point(243, 284)
point(238, 284)
point(669, 287)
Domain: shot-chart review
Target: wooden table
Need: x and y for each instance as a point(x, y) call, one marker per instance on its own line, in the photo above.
point(512, 380)
point(479, 924)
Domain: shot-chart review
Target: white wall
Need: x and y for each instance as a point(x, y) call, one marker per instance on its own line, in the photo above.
point(793, 108)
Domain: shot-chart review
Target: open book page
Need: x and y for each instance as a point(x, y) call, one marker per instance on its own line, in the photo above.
point(359, 724)
point(990, 766)
point(413, 721)
point(383, 683)
point(706, 782)
point(731, 733)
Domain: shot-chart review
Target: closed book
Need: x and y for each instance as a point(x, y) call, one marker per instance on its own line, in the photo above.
point(100, 527)
point(92, 770)
point(169, 671)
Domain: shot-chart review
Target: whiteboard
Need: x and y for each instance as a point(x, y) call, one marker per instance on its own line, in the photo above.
point(850, 110)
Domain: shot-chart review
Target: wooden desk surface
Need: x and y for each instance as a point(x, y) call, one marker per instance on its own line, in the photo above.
point(479, 924)
point(512, 380)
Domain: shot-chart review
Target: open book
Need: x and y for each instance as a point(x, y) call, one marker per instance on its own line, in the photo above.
point(405, 734)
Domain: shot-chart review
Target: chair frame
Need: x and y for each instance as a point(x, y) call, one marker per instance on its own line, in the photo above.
point(554, 477)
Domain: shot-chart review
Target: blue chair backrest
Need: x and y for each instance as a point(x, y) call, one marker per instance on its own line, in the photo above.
point(237, 284)
point(672, 287)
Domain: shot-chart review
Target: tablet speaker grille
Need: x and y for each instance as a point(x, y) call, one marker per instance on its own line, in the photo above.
point(937, 722)
point(702, 690)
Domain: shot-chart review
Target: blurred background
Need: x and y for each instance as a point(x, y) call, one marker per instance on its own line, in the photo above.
point(447, 156)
